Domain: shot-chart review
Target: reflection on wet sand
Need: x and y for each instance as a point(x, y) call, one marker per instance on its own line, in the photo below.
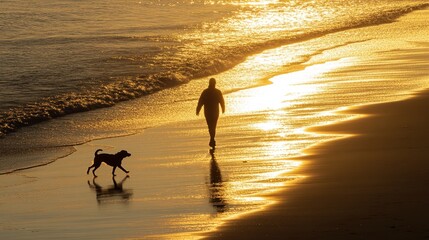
point(112, 194)
point(216, 187)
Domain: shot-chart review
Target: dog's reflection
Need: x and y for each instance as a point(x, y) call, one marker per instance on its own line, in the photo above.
point(111, 194)
point(216, 187)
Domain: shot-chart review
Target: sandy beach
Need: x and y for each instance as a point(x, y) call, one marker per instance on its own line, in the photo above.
point(369, 186)
point(307, 154)
point(369, 183)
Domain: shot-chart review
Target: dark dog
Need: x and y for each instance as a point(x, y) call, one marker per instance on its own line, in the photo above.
point(114, 160)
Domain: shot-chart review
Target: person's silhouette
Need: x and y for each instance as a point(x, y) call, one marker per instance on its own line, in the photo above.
point(211, 98)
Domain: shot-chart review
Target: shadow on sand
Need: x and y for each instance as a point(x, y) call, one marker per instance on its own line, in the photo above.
point(216, 186)
point(112, 194)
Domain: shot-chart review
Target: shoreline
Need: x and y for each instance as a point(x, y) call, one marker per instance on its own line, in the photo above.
point(295, 189)
point(166, 190)
point(171, 189)
point(52, 127)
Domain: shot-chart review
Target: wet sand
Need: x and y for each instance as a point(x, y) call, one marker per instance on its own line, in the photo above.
point(175, 189)
point(372, 185)
point(369, 183)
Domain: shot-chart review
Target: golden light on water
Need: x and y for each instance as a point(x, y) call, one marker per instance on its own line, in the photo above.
point(285, 91)
point(277, 149)
point(267, 126)
point(255, 25)
point(272, 104)
point(262, 2)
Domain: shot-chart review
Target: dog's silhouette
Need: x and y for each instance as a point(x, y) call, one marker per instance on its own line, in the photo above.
point(114, 160)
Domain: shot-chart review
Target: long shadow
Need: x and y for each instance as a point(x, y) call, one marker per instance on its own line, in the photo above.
point(112, 194)
point(216, 187)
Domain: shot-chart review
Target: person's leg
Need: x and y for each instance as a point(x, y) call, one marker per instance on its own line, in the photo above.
point(212, 123)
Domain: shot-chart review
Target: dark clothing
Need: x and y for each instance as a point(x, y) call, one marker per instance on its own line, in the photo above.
point(211, 98)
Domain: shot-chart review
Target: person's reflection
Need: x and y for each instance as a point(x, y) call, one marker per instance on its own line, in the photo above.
point(216, 187)
point(112, 194)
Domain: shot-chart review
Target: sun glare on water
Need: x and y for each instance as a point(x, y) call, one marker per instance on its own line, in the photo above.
point(285, 91)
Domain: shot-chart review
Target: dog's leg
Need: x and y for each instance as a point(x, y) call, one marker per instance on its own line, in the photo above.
point(113, 171)
point(87, 172)
point(97, 165)
point(123, 169)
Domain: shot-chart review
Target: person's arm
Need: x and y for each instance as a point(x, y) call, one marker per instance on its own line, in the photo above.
point(200, 104)
point(221, 102)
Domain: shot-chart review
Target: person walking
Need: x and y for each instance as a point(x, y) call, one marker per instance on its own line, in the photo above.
point(211, 98)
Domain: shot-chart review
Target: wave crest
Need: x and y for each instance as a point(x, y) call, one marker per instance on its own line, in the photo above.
point(104, 96)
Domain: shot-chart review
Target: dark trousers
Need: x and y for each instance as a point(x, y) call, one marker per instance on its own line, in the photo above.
point(211, 120)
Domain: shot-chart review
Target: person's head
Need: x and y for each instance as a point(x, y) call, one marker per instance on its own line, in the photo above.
point(212, 83)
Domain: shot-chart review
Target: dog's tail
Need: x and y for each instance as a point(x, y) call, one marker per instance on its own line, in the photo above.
point(96, 152)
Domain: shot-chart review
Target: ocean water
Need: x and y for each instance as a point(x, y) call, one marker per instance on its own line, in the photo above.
point(61, 58)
